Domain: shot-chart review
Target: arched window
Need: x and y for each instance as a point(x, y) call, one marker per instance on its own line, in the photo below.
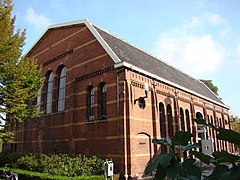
point(103, 101)
point(162, 120)
point(39, 100)
point(182, 120)
point(213, 134)
point(61, 89)
point(49, 85)
point(90, 103)
point(188, 120)
point(199, 115)
point(169, 120)
point(163, 128)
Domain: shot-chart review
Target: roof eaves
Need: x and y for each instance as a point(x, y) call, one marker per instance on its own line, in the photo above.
point(130, 66)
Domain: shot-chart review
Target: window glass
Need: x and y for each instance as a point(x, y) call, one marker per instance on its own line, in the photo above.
point(49, 93)
point(182, 119)
point(169, 120)
point(39, 99)
point(61, 89)
point(90, 103)
point(188, 120)
point(103, 101)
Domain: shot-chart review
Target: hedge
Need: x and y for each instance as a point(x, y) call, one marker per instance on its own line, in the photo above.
point(62, 164)
point(56, 164)
point(29, 175)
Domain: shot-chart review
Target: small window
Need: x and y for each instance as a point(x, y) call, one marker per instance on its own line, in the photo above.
point(103, 101)
point(49, 84)
point(90, 103)
point(61, 89)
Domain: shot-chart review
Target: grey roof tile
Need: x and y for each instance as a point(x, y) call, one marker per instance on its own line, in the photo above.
point(143, 60)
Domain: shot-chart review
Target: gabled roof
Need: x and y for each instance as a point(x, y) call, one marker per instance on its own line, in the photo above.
point(141, 61)
point(124, 54)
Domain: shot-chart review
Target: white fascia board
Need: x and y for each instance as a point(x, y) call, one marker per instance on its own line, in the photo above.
point(93, 31)
point(130, 66)
point(102, 42)
point(52, 27)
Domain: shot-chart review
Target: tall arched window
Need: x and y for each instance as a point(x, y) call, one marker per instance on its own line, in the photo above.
point(61, 89)
point(39, 100)
point(163, 128)
point(103, 101)
point(90, 103)
point(162, 120)
point(169, 120)
point(213, 134)
point(188, 120)
point(49, 85)
point(182, 120)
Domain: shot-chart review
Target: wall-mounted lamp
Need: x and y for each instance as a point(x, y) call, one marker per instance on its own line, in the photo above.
point(141, 100)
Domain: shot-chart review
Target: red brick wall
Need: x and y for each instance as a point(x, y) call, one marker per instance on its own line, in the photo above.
point(125, 137)
point(146, 121)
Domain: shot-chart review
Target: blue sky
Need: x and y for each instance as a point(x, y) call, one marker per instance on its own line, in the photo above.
point(199, 37)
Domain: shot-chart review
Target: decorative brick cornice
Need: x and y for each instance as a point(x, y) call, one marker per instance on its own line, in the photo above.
point(58, 57)
point(94, 73)
point(137, 84)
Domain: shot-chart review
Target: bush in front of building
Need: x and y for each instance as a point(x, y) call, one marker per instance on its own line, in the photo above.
point(62, 164)
point(9, 158)
point(29, 175)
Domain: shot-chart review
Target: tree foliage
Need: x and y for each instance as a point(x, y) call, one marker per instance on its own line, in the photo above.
point(210, 85)
point(20, 77)
point(227, 166)
point(235, 123)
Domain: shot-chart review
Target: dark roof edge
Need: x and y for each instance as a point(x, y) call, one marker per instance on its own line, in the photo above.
point(130, 66)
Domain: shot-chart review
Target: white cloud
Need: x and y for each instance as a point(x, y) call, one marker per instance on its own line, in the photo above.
point(40, 21)
point(195, 47)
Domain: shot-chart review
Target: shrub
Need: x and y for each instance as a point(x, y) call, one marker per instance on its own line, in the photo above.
point(9, 158)
point(62, 164)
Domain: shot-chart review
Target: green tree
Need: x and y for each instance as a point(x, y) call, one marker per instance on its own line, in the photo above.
point(235, 123)
point(210, 85)
point(20, 77)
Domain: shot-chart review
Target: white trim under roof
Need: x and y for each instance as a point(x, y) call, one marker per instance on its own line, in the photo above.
point(93, 31)
point(130, 66)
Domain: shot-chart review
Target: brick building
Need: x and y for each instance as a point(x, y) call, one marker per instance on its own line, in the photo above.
point(103, 96)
